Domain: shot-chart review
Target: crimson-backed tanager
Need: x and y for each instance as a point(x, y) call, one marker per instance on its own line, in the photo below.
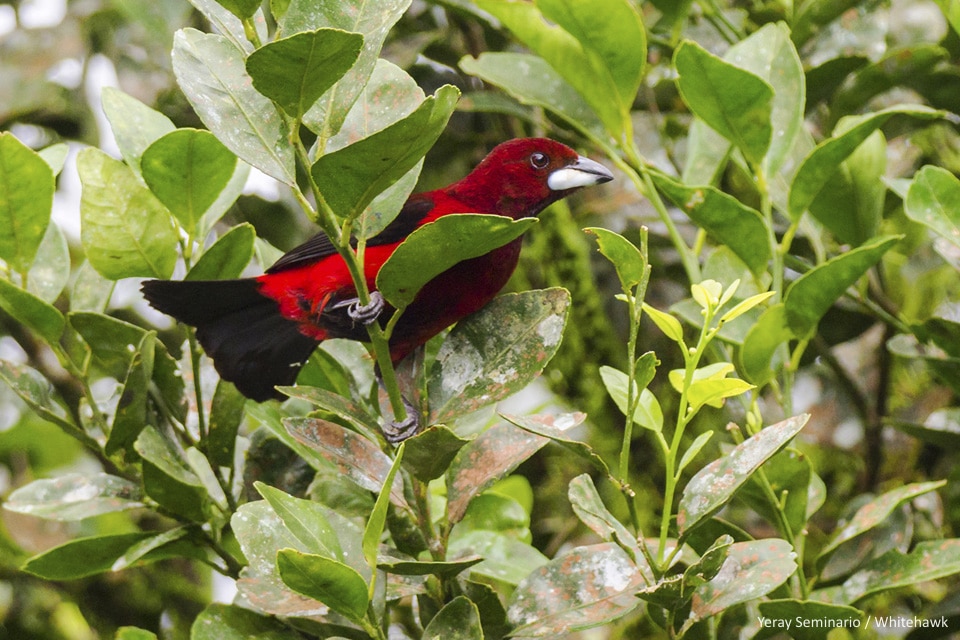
point(259, 331)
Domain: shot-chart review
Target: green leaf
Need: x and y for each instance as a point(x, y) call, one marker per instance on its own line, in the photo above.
point(333, 583)
point(55, 156)
point(50, 271)
point(82, 557)
point(211, 73)
point(492, 456)
point(724, 218)
point(713, 391)
point(74, 496)
point(135, 126)
point(791, 476)
point(26, 199)
point(34, 389)
point(506, 560)
point(532, 81)
point(927, 561)
point(295, 71)
point(752, 569)
point(459, 619)
point(378, 517)
point(373, 21)
point(770, 332)
point(734, 102)
point(131, 413)
point(876, 512)
point(226, 414)
point(648, 413)
point(168, 480)
point(306, 520)
point(695, 447)
point(32, 312)
point(338, 404)
point(351, 177)
point(713, 486)
point(429, 453)
point(230, 622)
point(627, 259)
point(112, 341)
point(227, 257)
point(778, 614)
point(555, 428)
point(445, 569)
point(134, 633)
point(811, 295)
point(125, 231)
point(589, 507)
point(584, 588)
point(771, 55)
point(243, 9)
point(356, 457)
point(851, 204)
point(934, 201)
point(436, 246)
point(496, 352)
point(187, 169)
point(820, 166)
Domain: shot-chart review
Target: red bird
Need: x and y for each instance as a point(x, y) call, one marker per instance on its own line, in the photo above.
point(260, 331)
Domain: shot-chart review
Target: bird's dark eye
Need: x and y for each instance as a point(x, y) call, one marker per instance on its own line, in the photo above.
point(539, 160)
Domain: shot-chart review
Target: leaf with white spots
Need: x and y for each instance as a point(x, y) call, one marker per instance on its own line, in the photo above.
point(933, 201)
point(74, 496)
point(588, 587)
point(496, 352)
point(713, 486)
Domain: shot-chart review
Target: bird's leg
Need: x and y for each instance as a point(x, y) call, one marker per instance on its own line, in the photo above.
point(397, 431)
point(364, 314)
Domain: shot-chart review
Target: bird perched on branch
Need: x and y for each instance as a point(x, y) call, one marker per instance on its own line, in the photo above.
point(260, 331)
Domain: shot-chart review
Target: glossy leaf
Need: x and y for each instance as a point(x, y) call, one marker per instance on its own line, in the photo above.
point(32, 312)
point(39, 394)
point(627, 259)
point(371, 20)
point(648, 413)
point(131, 414)
point(305, 519)
point(358, 458)
point(82, 557)
point(227, 257)
point(933, 201)
point(351, 177)
point(430, 452)
point(726, 219)
point(714, 485)
point(335, 403)
point(930, 560)
point(187, 169)
point(819, 167)
point(555, 427)
point(55, 156)
point(770, 333)
point(751, 570)
point(734, 102)
point(135, 126)
point(168, 480)
point(589, 507)
point(490, 457)
point(74, 496)
point(26, 199)
point(331, 582)
point(532, 81)
point(436, 246)
point(941, 428)
point(447, 569)
point(584, 588)
point(295, 71)
point(243, 9)
point(496, 352)
point(771, 55)
point(229, 622)
point(506, 560)
point(378, 516)
point(125, 231)
point(50, 271)
point(811, 295)
point(226, 414)
point(877, 511)
point(211, 73)
point(459, 619)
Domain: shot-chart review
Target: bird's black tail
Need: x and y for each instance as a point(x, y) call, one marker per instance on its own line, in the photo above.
point(251, 344)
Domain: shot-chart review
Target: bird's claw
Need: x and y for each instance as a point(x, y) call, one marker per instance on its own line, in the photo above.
point(364, 314)
point(398, 431)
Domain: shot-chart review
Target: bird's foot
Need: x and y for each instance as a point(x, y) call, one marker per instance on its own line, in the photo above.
point(398, 431)
point(364, 314)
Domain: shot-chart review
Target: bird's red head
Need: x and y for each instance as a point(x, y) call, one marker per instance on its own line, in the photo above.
point(519, 178)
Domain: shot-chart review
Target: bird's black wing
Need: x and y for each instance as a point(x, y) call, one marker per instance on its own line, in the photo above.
point(320, 246)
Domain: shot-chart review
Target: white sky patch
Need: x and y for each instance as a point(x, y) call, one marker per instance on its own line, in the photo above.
point(42, 14)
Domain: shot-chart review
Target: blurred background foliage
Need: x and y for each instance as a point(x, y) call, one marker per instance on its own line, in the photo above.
point(55, 56)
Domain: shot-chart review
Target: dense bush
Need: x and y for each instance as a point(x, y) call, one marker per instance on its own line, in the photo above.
point(750, 421)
